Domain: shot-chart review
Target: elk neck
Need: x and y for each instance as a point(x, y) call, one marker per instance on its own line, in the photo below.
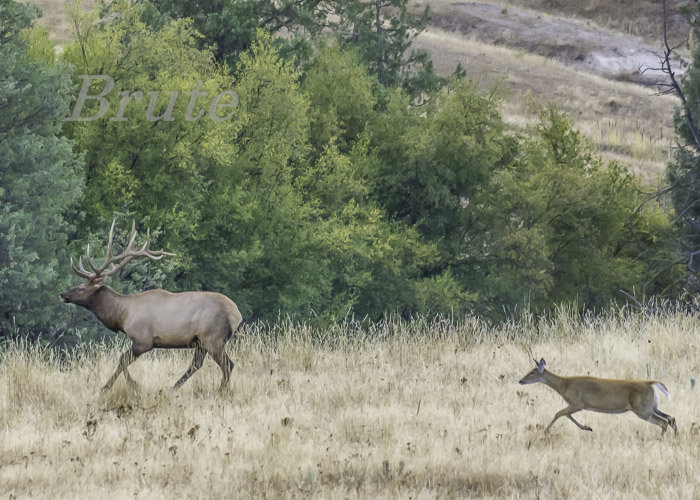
point(110, 307)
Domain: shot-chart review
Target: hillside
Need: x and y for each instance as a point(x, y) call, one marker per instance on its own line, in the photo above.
point(592, 72)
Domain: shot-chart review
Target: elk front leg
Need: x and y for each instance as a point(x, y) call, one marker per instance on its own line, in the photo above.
point(567, 412)
point(127, 357)
point(197, 361)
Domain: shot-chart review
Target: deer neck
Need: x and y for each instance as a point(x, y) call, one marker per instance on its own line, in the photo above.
point(556, 382)
point(109, 307)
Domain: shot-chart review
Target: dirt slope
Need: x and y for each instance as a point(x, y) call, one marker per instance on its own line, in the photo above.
point(579, 44)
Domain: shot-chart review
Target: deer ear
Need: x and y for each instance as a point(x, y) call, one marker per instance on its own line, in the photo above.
point(540, 365)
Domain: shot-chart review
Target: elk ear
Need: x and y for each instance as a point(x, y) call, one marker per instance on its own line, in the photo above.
point(540, 365)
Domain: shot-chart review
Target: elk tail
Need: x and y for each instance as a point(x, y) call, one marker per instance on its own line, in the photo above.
point(244, 322)
point(234, 320)
point(662, 388)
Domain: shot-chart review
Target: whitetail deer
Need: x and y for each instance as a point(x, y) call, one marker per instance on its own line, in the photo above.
point(156, 318)
point(603, 395)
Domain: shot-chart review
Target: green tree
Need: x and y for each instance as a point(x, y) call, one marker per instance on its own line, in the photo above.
point(286, 230)
point(434, 159)
point(382, 32)
point(145, 158)
point(341, 95)
point(683, 173)
point(231, 26)
point(40, 176)
point(562, 231)
point(255, 238)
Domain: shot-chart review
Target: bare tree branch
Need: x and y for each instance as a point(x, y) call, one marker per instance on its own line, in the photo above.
point(666, 68)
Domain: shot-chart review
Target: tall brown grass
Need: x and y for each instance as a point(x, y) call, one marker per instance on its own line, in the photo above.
point(416, 409)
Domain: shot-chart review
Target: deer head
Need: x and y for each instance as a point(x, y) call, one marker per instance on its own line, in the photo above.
point(536, 375)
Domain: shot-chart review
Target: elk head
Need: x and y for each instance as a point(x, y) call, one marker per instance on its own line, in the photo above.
point(82, 295)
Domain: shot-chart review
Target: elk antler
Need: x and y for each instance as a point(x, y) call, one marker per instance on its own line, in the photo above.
point(121, 260)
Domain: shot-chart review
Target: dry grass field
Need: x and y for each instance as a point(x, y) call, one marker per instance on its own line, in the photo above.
point(634, 17)
point(404, 411)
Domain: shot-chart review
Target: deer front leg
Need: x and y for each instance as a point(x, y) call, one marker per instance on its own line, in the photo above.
point(567, 412)
point(582, 427)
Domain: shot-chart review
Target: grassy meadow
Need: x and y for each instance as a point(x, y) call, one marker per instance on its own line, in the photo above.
point(403, 410)
point(397, 410)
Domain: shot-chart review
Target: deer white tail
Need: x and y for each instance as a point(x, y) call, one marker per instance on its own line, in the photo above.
point(662, 388)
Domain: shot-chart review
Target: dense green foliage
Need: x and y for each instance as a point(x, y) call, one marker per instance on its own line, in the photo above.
point(40, 178)
point(319, 188)
point(683, 172)
point(230, 27)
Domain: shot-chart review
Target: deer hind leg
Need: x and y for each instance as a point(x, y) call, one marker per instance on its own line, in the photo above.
point(671, 421)
point(197, 361)
point(656, 419)
point(567, 413)
point(667, 418)
point(650, 414)
point(648, 411)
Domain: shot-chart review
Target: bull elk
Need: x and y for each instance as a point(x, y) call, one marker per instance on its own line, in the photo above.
point(156, 318)
point(603, 395)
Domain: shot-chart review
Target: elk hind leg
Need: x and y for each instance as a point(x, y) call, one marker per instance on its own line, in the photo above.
point(226, 366)
point(197, 361)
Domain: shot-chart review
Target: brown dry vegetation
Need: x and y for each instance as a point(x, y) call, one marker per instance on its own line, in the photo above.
point(55, 19)
point(633, 17)
point(411, 410)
